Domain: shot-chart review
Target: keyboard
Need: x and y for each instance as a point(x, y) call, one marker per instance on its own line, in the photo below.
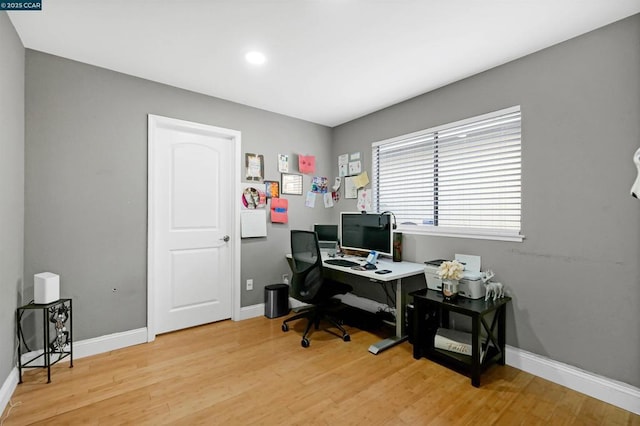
point(341, 262)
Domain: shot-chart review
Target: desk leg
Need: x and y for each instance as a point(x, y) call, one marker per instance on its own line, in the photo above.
point(401, 335)
point(475, 351)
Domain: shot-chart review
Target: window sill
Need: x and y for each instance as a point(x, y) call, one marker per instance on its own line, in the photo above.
point(478, 234)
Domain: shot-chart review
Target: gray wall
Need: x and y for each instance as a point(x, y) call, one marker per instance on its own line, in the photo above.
point(575, 280)
point(11, 188)
point(86, 184)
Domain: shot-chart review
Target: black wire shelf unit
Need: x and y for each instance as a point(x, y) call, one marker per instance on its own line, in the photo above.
point(57, 336)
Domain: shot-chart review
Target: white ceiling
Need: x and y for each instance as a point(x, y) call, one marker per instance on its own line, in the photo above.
point(329, 61)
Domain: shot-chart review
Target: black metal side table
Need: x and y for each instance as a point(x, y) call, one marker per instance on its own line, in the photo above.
point(57, 316)
point(431, 312)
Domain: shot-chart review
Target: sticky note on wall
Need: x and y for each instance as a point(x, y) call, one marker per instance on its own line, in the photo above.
point(307, 163)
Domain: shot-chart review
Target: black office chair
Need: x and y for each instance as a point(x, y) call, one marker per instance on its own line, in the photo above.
point(309, 286)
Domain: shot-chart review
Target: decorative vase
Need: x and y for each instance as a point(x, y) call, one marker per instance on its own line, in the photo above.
point(450, 289)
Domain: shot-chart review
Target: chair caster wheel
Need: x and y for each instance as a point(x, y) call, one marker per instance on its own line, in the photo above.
point(346, 338)
point(285, 327)
point(305, 342)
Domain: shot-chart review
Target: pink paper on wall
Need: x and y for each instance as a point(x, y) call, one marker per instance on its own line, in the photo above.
point(364, 200)
point(307, 163)
point(279, 209)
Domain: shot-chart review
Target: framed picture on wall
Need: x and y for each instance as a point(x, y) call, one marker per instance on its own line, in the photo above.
point(291, 184)
point(272, 188)
point(254, 165)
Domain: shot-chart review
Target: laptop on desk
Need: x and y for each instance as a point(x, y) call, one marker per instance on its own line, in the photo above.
point(328, 247)
point(327, 238)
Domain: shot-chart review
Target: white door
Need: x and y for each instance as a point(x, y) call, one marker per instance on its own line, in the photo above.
point(192, 226)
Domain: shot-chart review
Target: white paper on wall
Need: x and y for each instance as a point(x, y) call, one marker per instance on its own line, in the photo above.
point(355, 167)
point(311, 199)
point(283, 163)
point(253, 223)
point(328, 200)
point(350, 189)
point(364, 200)
point(343, 165)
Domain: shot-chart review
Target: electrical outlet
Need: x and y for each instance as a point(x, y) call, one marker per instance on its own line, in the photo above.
point(249, 284)
point(285, 278)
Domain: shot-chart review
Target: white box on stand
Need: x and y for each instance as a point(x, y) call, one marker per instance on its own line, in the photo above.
point(46, 288)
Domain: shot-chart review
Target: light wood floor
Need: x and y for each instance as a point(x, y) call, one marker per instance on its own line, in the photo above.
point(250, 372)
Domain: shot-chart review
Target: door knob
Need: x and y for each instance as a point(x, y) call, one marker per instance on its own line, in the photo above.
point(225, 238)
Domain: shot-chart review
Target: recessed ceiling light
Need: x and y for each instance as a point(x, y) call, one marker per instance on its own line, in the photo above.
point(255, 58)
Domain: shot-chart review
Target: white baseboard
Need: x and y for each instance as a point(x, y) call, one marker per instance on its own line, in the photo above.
point(253, 311)
point(110, 342)
point(611, 391)
point(95, 346)
point(7, 389)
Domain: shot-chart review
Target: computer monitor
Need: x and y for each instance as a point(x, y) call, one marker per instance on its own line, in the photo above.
point(326, 232)
point(366, 232)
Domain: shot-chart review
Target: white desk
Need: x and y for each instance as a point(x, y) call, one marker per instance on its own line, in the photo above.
point(399, 270)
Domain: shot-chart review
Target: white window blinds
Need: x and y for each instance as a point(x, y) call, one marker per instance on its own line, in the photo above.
point(460, 178)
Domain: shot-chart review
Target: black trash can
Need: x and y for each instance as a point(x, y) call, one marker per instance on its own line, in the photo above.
point(276, 300)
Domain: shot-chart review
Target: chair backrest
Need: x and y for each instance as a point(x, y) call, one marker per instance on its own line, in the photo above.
point(306, 265)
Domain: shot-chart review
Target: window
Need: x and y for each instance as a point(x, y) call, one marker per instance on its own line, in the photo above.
point(459, 179)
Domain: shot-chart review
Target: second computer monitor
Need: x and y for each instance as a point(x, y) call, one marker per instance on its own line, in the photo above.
point(327, 238)
point(326, 232)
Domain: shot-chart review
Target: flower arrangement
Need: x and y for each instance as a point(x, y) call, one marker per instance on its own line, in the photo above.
point(451, 270)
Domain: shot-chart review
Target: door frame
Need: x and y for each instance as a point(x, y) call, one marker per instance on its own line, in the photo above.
point(234, 137)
